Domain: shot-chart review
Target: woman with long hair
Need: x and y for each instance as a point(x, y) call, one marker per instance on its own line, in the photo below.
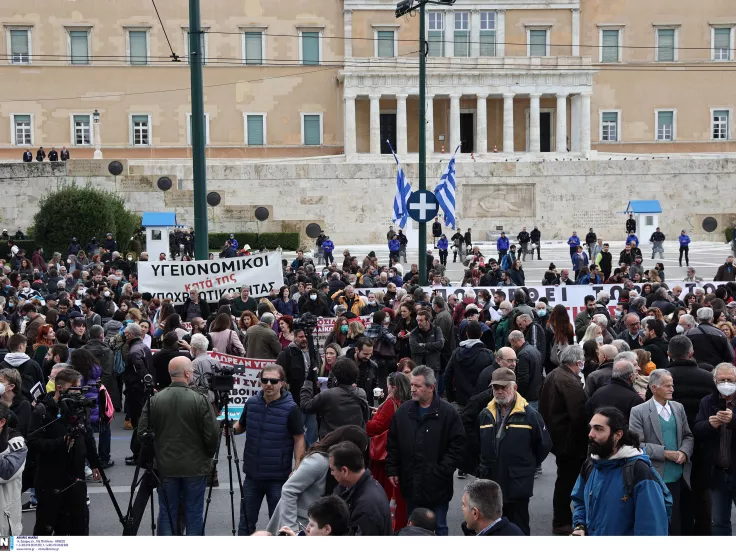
point(159, 319)
point(146, 327)
point(407, 321)
point(44, 341)
point(312, 480)
point(284, 304)
point(671, 329)
point(590, 350)
point(405, 366)
point(173, 324)
point(399, 391)
point(356, 329)
point(339, 333)
point(332, 353)
point(286, 330)
point(560, 334)
point(5, 334)
point(224, 339)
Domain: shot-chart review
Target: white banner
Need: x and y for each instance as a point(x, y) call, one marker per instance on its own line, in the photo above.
point(177, 280)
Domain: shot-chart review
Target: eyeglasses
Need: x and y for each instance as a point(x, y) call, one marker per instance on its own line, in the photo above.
point(272, 381)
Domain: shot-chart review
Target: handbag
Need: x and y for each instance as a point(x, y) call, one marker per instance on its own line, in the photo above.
point(230, 348)
point(383, 349)
point(377, 449)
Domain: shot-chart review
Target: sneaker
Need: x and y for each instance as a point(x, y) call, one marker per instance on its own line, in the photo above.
point(88, 501)
point(29, 506)
point(127, 424)
point(461, 475)
point(87, 473)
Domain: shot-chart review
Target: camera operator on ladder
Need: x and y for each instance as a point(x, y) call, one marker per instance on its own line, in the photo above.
point(62, 442)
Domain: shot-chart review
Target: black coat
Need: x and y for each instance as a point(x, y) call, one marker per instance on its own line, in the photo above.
point(469, 418)
point(204, 307)
point(658, 349)
point(161, 361)
point(484, 379)
point(709, 436)
point(504, 528)
point(139, 363)
point(692, 383)
point(369, 506)
point(424, 452)
point(562, 406)
point(710, 345)
point(463, 369)
point(512, 460)
point(292, 361)
point(616, 393)
point(21, 409)
point(529, 368)
point(599, 378)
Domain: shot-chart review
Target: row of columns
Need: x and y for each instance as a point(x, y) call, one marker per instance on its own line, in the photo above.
point(580, 123)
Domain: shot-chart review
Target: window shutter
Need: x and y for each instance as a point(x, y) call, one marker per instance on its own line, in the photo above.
point(610, 46)
point(310, 48)
point(462, 43)
point(255, 130)
point(80, 47)
point(26, 119)
point(19, 42)
point(538, 43)
point(253, 48)
point(436, 40)
point(312, 135)
point(610, 117)
point(666, 118)
point(721, 39)
point(721, 113)
point(666, 45)
point(385, 44)
point(488, 43)
point(138, 48)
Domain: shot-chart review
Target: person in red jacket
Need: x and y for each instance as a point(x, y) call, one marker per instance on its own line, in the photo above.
point(399, 389)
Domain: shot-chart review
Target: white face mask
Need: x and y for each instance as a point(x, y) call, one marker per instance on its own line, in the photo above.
point(680, 329)
point(313, 296)
point(599, 340)
point(726, 389)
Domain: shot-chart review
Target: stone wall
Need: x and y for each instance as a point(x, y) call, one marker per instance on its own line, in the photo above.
point(353, 200)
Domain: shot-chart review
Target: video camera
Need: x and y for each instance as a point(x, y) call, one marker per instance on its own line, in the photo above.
point(222, 380)
point(306, 322)
point(73, 405)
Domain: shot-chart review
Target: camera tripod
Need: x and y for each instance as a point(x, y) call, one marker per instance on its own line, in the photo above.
point(226, 426)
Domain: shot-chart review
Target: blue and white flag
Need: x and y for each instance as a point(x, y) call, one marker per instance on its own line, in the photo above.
point(445, 192)
point(403, 191)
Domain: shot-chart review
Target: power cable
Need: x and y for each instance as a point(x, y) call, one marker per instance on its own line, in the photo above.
point(174, 57)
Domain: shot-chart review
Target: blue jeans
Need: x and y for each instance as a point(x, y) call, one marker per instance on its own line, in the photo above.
point(310, 426)
point(722, 497)
point(440, 512)
point(190, 490)
point(253, 492)
point(103, 447)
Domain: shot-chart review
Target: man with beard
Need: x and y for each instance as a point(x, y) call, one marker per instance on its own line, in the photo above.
point(604, 504)
point(585, 317)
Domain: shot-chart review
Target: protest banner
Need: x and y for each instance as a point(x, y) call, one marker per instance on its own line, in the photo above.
point(177, 280)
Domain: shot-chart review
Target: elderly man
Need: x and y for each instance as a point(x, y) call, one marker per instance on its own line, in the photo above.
point(602, 322)
point(562, 406)
point(533, 333)
point(513, 442)
point(138, 366)
point(709, 343)
point(203, 366)
point(619, 391)
point(351, 300)
point(662, 427)
point(632, 335)
point(662, 301)
point(715, 425)
point(687, 323)
point(600, 377)
point(261, 339)
point(505, 357)
point(529, 368)
point(691, 277)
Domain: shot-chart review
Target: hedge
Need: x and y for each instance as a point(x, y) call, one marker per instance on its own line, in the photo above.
point(289, 241)
point(28, 245)
point(729, 235)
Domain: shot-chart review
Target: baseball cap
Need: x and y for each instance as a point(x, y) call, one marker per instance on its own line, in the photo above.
point(503, 376)
point(731, 305)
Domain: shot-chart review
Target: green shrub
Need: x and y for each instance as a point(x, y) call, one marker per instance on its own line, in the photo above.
point(729, 235)
point(87, 212)
point(28, 245)
point(289, 241)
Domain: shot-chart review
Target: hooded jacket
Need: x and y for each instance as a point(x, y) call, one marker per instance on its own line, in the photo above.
point(466, 364)
point(30, 371)
point(12, 463)
point(601, 503)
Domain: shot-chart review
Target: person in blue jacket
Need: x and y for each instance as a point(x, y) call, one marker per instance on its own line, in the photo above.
point(442, 245)
point(234, 242)
point(684, 247)
point(328, 247)
point(593, 277)
point(631, 238)
point(573, 242)
point(502, 246)
point(579, 260)
point(602, 505)
point(393, 251)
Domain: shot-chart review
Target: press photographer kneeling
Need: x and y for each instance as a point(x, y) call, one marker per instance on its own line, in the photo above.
point(61, 440)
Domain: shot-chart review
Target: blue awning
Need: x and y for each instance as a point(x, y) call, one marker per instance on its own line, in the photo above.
point(638, 206)
point(158, 219)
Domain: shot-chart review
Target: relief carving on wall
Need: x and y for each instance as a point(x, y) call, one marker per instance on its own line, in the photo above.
point(498, 201)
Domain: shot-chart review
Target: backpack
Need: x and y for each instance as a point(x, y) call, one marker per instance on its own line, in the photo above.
point(629, 476)
point(118, 364)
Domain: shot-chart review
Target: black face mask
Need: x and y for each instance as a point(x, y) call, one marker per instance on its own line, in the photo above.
point(603, 451)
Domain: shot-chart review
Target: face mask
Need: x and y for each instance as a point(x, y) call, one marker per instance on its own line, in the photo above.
point(481, 303)
point(680, 329)
point(371, 302)
point(11, 305)
point(26, 318)
point(541, 313)
point(618, 314)
point(344, 329)
point(313, 296)
point(726, 389)
point(599, 340)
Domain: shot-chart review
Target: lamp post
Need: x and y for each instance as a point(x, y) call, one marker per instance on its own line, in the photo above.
point(96, 134)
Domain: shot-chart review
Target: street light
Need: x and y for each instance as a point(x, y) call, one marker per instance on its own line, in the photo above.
point(96, 134)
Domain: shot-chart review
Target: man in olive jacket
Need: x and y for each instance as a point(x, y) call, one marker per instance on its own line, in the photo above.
point(186, 440)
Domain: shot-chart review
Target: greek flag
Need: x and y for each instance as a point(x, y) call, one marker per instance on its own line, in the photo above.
point(403, 191)
point(445, 192)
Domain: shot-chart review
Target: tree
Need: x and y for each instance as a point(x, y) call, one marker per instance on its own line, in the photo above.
point(84, 213)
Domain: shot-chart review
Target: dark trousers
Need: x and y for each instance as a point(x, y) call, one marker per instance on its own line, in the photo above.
point(62, 513)
point(568, 469)
point(443, 257)
point(518, 513)
point(329, 258)
point(253, 492)
point(723, 497)
point(538, 246)
point(573, 250)
point(696, 501)
point(685, 249)
point(501, 253)
point(676, 519)
point(135, 401)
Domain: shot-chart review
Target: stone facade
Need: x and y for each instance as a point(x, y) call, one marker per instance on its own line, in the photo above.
point(352, 200)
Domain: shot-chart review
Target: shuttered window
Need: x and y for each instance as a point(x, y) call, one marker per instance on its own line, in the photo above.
point(488, 34)
point(138, 47)
point(312, 130)
point(253, 48)
point(665, 44)
point(20, 50)
point(436, 34)
point(538, 43)
point(385, 43)
point(609, 46)
point(255, 130)
point(665, 125)
point(722, 44)
point(310, 48)
point(79, 46)
point(609, 126)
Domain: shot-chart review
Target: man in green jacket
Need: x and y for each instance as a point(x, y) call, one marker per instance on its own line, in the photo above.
point(186, 440)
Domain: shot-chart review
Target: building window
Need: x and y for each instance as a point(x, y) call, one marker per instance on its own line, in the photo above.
point(722, 47)
point(206, 129)
point(610, 45)
point(609, 126)
point(79, 47)
point(255, 129)
point(202, 52)
point(253, 47)
point(720, 124)
point(436, 34)
point(141, 130)
point(82, 130)
point(138, 47)
point(22, 130)
point(20, 45)
point(310, 47)
point(666, 125)
point(312, 129)
point(461, 39)
point(488, 34)
point(665, 44)
point(538, 44)
point(385, 44)
point(649, 220)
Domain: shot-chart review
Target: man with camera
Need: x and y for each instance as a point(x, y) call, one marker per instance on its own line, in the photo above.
point(59, 437)
point(185, 442)
point(138, 365)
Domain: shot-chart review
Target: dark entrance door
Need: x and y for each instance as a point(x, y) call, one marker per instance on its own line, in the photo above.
point(388, 131)
point(466, 134)
point(545, 131)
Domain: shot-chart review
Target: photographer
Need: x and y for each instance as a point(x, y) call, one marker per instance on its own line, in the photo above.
point(61, 449)
point(13, 453)
point(138, 365)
